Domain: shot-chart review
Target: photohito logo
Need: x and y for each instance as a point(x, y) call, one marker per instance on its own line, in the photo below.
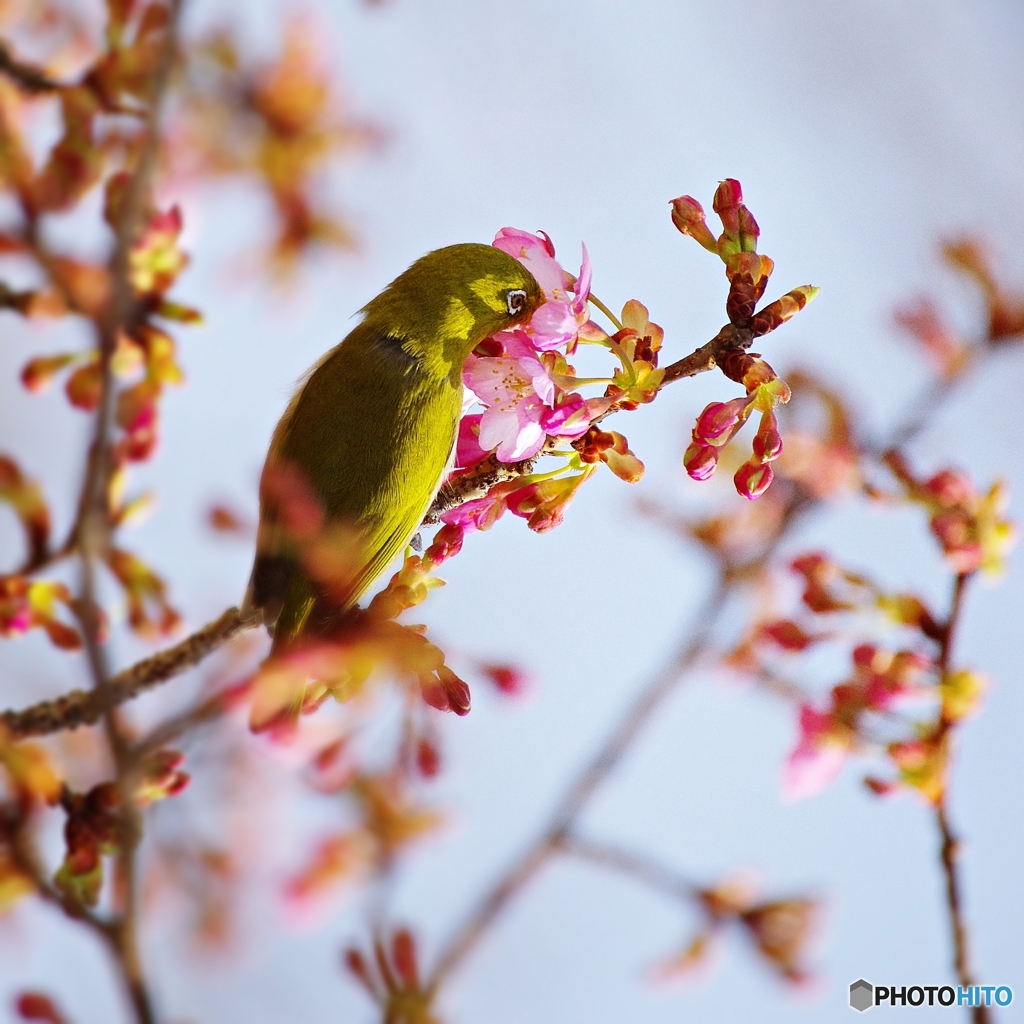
point(864, 995)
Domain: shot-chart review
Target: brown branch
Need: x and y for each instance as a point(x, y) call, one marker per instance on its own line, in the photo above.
point(652, 874)
point(578, 794)
point(109, 930)
point(86, 707)
point(92, 529)
point(30, 78)
point(79, 707)
point(949, 847)
point(708, 356)
point(475, 483)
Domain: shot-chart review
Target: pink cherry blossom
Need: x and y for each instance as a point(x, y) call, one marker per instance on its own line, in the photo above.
point(537, 254)
point(479, 513)
point(467, 445)
point(558, 321)
point(518, 393)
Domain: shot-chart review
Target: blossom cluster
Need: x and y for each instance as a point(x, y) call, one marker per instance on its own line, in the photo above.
point(531, 399)
point(866, 713)
point(748, 273)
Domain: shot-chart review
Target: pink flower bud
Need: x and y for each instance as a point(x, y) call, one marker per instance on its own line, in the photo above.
point(720, 420)
point(428, 759)
point(447, 542)
point(950, 488)
point(403, 952)
point(728, 198)
point(456, 690)
point(748, 228)
point(864, 656)
point(688, 217)
point(752, 479)
point(768, 441)
point(700, 460)
point(507, 678)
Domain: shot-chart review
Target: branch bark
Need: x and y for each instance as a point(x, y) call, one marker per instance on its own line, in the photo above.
point(86, 707)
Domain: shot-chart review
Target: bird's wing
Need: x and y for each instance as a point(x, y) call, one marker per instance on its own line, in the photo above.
point(374, 458)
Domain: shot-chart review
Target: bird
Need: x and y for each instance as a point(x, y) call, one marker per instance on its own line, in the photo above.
point(369, 435)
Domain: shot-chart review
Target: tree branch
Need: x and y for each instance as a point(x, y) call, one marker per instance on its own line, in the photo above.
point(28, 77)
point(652, 874)
point(476, 482)
point(86, 707)
point(949, 846)
point(81, 708)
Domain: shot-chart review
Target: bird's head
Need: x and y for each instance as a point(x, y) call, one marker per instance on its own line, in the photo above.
point(448, 301)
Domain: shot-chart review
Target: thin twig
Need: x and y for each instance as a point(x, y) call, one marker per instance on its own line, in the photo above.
point(28, 77)
point(949, 847)
point(86, 707)
point(593, 775)
point(652, 874)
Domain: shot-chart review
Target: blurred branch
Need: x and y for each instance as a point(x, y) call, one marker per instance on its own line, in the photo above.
point(28, 77)
point(92, 531)
point(949, 848)
point(110, 930)
point(696, 644)
point(86, 707)
point(652, 874)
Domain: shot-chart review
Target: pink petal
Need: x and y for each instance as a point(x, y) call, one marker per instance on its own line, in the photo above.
point(553, 324)
point(468, 451)
point(570, 419)
point(582, 289)
point(811, 768)
point(497, 426)
point(535, 253)
point(488, 378)
point(537, 374)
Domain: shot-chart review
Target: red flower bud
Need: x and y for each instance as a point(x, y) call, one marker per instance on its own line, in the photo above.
point(753, 478)
point(720, 420)
point(700, 460)
point(428, 760)
point(688, 217)
point(456, 690)
point(950, 488)
point(447, 543)
point(728, 197)
point(403, 952)
point(768, 441)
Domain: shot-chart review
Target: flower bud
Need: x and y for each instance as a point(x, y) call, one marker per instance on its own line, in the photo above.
point(700, 460)
point(719, 421)
point(688, 217)
point(753, 478)
point(727, 202)
point(767, 441)
point(456, 691)
point(403, 953)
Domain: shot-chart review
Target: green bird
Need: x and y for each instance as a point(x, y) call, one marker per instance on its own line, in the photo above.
point(370, 433)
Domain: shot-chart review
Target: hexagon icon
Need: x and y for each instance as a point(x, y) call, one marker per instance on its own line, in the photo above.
point(861, 993)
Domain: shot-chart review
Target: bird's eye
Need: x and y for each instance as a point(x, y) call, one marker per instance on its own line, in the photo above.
point(516, 301)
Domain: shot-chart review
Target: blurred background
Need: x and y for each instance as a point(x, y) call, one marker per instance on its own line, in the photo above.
point(863, 133)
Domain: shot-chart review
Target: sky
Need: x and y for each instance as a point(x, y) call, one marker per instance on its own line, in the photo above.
point(862, 133)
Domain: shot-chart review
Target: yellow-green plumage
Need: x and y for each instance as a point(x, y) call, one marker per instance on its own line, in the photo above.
point(372, 429)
